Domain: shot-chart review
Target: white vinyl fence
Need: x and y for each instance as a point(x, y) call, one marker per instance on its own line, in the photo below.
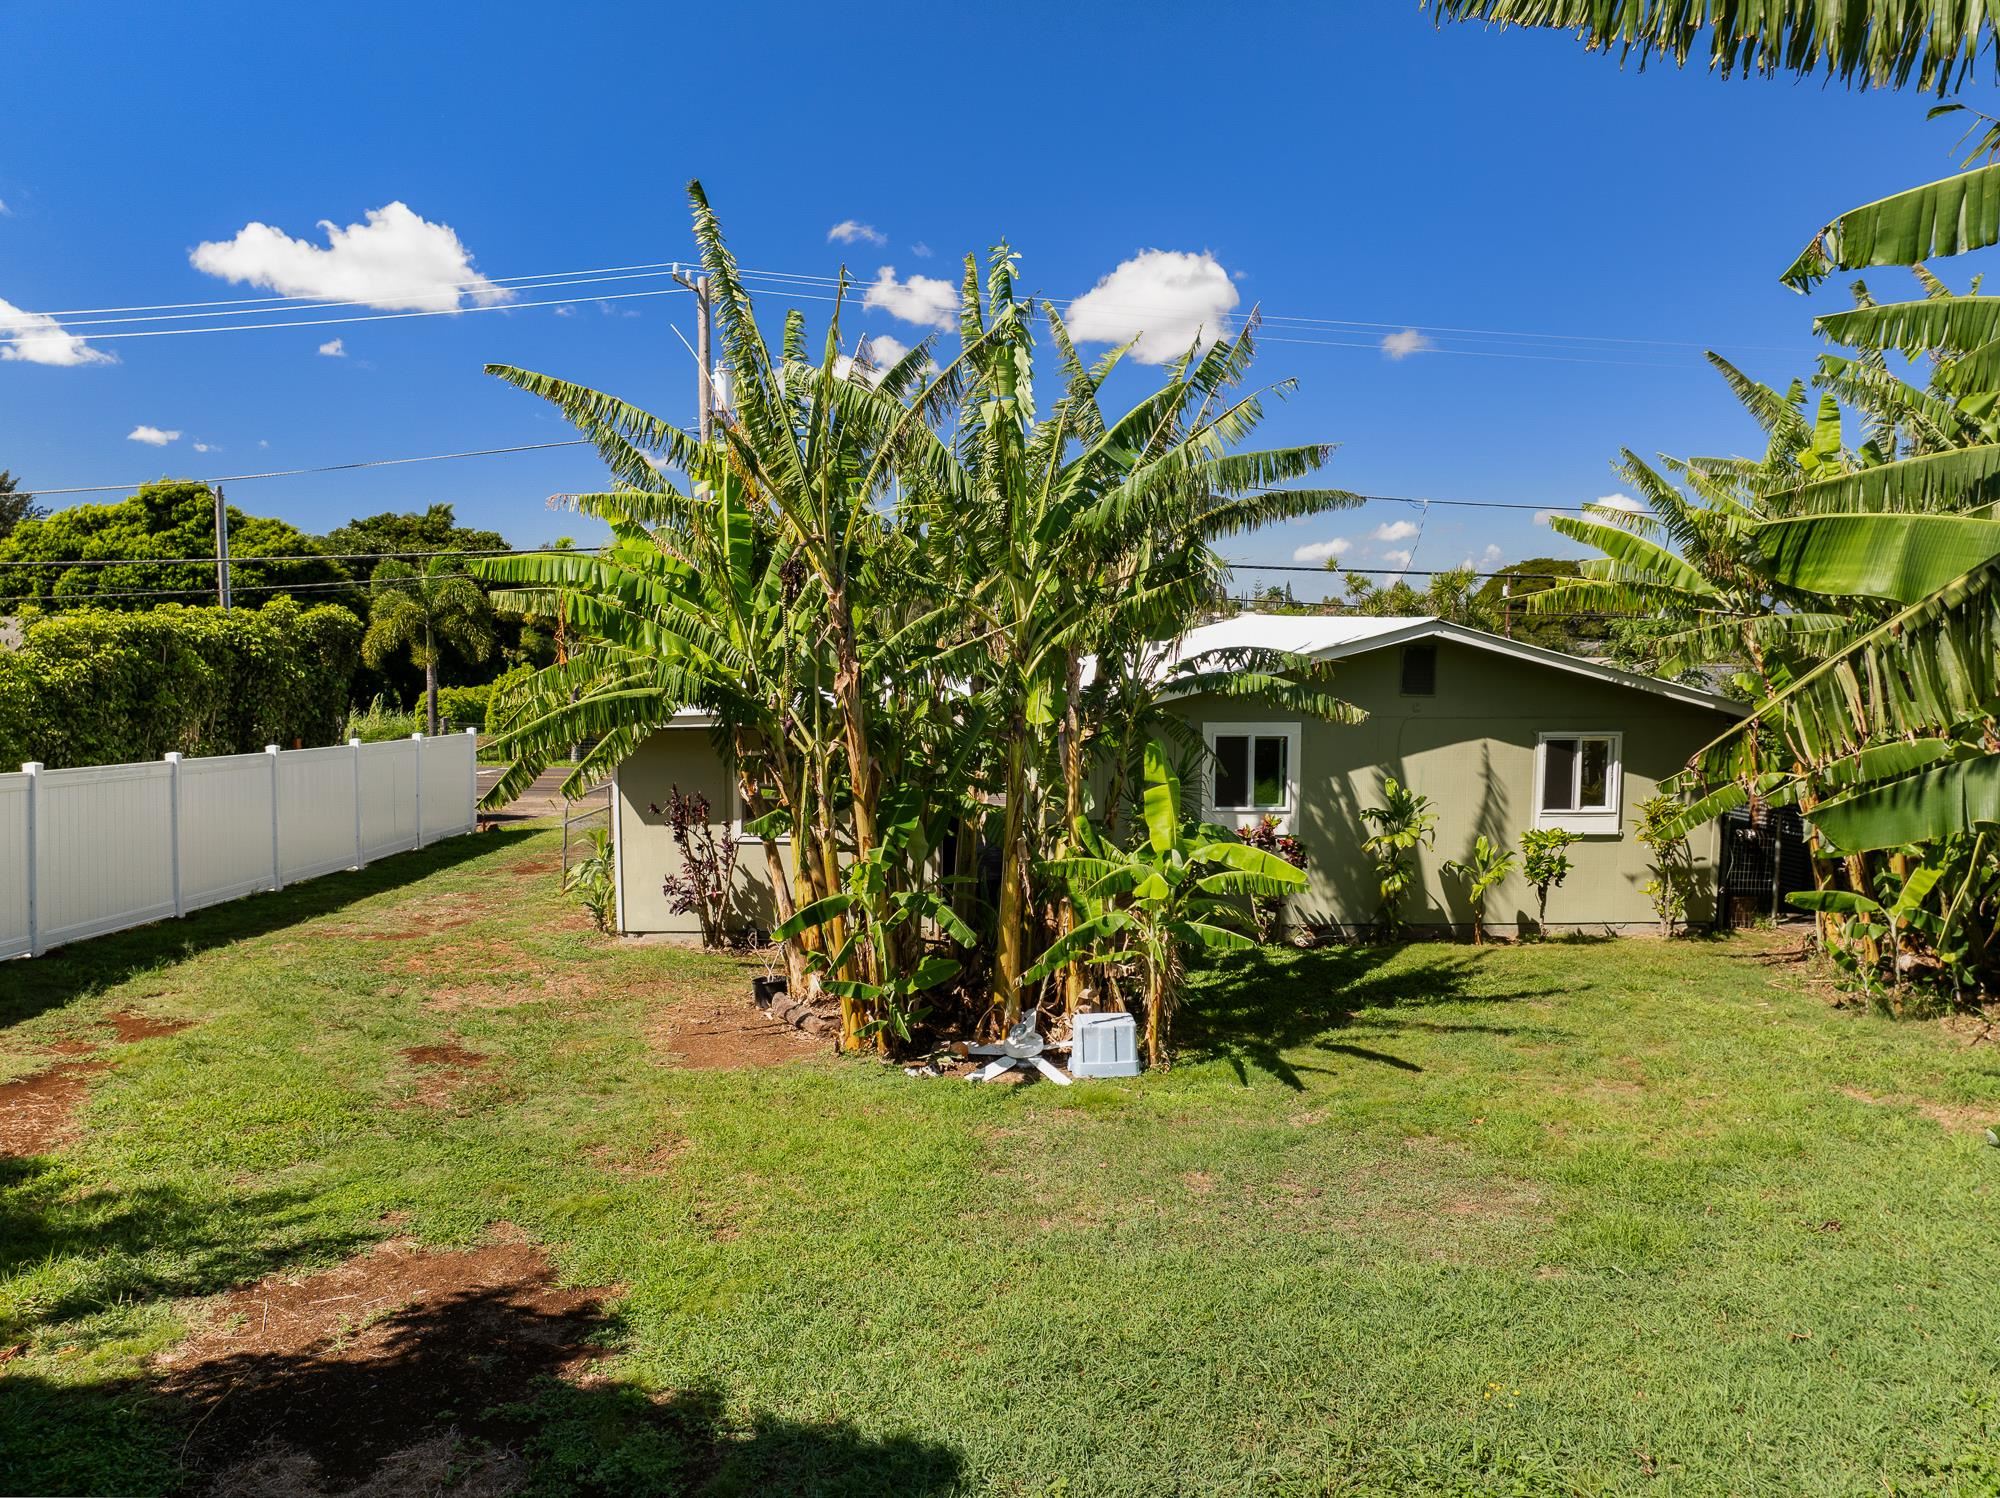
point(103, 847)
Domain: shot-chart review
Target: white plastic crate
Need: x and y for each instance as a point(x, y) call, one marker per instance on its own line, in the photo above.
point(1104, 1045)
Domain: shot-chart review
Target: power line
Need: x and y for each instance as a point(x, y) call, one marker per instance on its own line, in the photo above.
point(308, 305)
point(430, 289)
point(327, 322)
point(244, 559)
point(290, 473)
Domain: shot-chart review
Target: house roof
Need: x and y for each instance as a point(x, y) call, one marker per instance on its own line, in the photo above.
point(1332, 636)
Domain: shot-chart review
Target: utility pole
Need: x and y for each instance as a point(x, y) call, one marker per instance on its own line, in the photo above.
point(703, 336)
point(221, 550)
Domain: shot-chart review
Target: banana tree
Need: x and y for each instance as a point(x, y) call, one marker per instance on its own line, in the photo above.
point(1186, 888)
point(1487, 866)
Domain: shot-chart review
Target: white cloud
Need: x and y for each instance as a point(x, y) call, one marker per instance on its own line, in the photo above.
point(5, 211)
point(1394, 530)
point(1624, 502)
point(883, 351)
point(397, 261)
point(1402, 345)
point(921, 250)
point(36, 338)
point(206, 447)
point(1167, 299)
point(565, 310)
point(1542, 517)
point(334, 348)
point(152, 436)
point(924, 300)
point(1491, 556)
point(1322, 551)
point(850, 229)
point(1398, 559)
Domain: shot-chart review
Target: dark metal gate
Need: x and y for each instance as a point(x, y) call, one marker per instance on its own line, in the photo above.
point(1765, 857)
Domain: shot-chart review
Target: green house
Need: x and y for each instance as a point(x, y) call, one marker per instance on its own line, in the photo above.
point(1500, 735)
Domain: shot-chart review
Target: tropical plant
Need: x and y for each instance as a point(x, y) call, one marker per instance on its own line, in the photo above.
point(424, 613)
point(705, 884)
point(1545, 865)
point(1403, 824)
point(1184, 889)
point(1866, 43)
point(1487, 866)
point(1267, 834)
point(1674, 876)
point(906, 585)
point(593, 880)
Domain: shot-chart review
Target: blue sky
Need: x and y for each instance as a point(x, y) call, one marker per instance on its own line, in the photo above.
point(1341, 162)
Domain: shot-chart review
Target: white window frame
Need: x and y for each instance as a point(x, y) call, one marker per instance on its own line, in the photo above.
point(1607, 821)
point(1246, 815)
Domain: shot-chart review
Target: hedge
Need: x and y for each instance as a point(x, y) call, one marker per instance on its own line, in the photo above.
point(102, 686)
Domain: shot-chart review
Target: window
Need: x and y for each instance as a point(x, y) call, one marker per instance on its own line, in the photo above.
point(1420, 670)
point(767, 802)
point(1577, 782)
point(1253, 768)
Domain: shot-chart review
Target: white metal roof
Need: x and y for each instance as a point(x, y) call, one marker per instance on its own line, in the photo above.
point(1332, 636)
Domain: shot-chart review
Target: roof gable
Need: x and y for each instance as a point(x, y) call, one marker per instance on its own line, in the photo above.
point(1333, 636)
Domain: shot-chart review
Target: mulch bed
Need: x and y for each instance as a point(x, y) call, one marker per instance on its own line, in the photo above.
point(395, 1366)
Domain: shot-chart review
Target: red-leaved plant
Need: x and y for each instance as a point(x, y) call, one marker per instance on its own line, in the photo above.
point(708, 867)
point(1265, 835)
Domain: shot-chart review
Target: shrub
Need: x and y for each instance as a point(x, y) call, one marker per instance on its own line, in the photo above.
point(383, 719)
point(1403, 824)
point(1545, 862)
point(463, 707)
point(1673, 869)
point(102, 686)
point(594, 880)
point(1490, 863)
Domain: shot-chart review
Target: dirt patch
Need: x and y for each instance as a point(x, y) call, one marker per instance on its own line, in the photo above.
point(717, 1037)
point(1954, 1117)
point(446, 1067)
point(657, 1161)
point(531, 866)
point(35, 1111)
point(378, 1370)
point(132, 1026)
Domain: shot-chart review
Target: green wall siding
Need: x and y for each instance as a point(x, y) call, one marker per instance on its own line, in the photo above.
point(1470, 747)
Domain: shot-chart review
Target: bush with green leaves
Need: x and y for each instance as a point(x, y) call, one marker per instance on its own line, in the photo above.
point(103, 686)
point(1488, 865)
point(1545, 862)
point(594, 880)
point(1403, 823)
point(1674, 875)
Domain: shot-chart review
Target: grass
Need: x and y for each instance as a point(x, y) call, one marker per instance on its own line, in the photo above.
point(1590, 1217)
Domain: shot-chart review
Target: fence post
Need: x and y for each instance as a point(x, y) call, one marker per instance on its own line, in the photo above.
point(277, 864)
point(33, 770)
point(360, 848)
point(472, 779)
point(174, 827)
point(420, 787)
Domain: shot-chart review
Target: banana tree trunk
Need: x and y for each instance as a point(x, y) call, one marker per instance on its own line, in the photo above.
point(1072, 761)
point(1010, 953)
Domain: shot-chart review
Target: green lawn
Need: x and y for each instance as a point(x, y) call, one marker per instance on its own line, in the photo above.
point(1577, 1218)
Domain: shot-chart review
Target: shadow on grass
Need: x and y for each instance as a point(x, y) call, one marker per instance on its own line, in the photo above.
point(1250, 1011)
point(478, 1391)
point(147, 1243)
point(68, 973)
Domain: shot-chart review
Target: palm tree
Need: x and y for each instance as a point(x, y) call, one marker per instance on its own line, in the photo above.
point(425, 613)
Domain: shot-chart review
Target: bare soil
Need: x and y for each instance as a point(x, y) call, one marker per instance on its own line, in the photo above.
point(715, 1037)
point(1950, 1116)
point(446, 1067)
point(35, 1110)
point(386, 1374)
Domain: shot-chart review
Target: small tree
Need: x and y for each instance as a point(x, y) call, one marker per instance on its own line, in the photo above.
point(707, 878)
point(1403, 824)
point(1179, 892)
point(1545, 862)
point(1673, 860)
point(1490, 863)
point(423, 612)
